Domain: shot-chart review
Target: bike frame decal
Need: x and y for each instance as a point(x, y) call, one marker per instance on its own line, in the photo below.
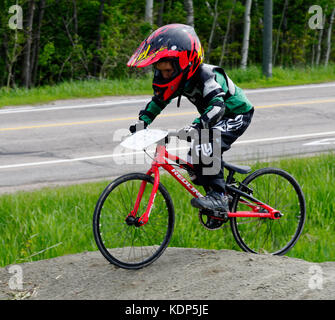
point(184, 182)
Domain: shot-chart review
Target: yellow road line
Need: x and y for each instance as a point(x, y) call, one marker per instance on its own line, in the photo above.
point(179, 114)
point(91, 122)
point(65, 124)
point(295, 103)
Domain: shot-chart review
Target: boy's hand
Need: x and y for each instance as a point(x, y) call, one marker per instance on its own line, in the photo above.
point(189, 132)
point(137, 126)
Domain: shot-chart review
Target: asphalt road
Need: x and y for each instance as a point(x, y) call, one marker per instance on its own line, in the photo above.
point(73, 141)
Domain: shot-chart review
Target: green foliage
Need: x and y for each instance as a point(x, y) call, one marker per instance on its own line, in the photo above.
point(46, 54)
point(74, 42)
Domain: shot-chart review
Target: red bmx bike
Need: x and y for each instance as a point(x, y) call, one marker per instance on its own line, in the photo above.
point(134, 217)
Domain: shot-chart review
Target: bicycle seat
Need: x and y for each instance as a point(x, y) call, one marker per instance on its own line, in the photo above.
point(236, 168)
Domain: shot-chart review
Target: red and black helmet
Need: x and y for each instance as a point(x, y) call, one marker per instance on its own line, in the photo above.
point(177, 43)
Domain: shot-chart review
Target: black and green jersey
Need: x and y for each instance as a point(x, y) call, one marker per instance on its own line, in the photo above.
point(211, 91)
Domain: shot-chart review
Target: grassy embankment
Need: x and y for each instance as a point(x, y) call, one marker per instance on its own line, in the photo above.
point(248, 79)
point(57, 221)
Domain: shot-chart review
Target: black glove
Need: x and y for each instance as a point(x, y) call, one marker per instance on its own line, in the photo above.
point(139, 125)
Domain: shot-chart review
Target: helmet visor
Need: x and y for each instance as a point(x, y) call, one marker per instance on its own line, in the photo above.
point(147, 54)
point(162, 43)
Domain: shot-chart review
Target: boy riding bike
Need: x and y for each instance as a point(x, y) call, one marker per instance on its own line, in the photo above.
point(225, 112)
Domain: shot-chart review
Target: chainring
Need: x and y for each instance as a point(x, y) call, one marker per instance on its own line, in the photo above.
point(210, 220)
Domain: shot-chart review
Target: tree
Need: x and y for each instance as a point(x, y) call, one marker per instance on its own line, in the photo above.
point(26, 74)
point(318, 48)
point(214, 25)
point(225, 38)
point(96, 60)
point(37, 47)
point(246, 34)
point(329, 37)
point(190, 14)
point(148, 11)
point(160, 13)
point(267, 39)
point(278, 31)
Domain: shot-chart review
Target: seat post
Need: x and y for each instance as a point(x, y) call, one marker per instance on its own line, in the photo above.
point(230, 176)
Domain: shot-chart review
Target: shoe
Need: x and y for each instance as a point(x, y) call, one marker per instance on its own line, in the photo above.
point(213, 201)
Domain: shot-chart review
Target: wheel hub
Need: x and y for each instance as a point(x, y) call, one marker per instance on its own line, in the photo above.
point(133, 221)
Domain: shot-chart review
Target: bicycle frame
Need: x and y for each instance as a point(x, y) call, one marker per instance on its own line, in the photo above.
point(259, 209)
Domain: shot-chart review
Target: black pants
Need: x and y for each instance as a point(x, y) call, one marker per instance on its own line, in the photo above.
point(207, 148)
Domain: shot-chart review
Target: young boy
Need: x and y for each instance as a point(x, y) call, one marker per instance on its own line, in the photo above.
point(225, 112)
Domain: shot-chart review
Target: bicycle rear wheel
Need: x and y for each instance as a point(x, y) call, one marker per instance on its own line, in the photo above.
point(281, 191)
point(127, 245)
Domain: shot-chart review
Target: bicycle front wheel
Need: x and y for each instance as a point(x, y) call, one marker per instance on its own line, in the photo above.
point(281, 191)
point(128, 245)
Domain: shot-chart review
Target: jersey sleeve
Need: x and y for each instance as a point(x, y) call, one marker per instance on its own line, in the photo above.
point(213, 97)
point(212, 114)
point(152, 110)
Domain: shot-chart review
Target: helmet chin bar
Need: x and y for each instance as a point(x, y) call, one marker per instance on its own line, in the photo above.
point(158, 78)
point(166, 89)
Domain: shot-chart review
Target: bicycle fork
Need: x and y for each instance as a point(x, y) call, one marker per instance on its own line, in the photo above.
point(143, 219)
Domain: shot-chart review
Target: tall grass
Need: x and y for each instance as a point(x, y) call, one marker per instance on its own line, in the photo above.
point(56, 221)
point(248, 79)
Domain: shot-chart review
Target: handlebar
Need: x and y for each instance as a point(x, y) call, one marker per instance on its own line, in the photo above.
point(171, 134)
point(180, 135)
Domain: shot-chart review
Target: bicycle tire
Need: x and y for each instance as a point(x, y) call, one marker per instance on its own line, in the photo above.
point(264, 235)
point(130, 246)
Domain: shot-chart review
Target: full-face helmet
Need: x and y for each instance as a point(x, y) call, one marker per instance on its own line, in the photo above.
point(177, 43)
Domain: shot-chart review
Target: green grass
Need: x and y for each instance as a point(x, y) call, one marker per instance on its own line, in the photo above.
point(56, 221)
point(252, 77)
point(247, 79)
point(75, 89)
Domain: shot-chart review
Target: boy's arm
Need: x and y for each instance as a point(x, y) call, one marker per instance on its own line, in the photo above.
point(152, 110)
point(148, 114)
point(213, 113)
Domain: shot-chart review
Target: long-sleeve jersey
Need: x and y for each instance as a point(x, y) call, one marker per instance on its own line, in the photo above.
point(212, 92)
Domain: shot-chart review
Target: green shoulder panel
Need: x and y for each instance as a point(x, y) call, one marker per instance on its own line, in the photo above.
point(238, 102)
